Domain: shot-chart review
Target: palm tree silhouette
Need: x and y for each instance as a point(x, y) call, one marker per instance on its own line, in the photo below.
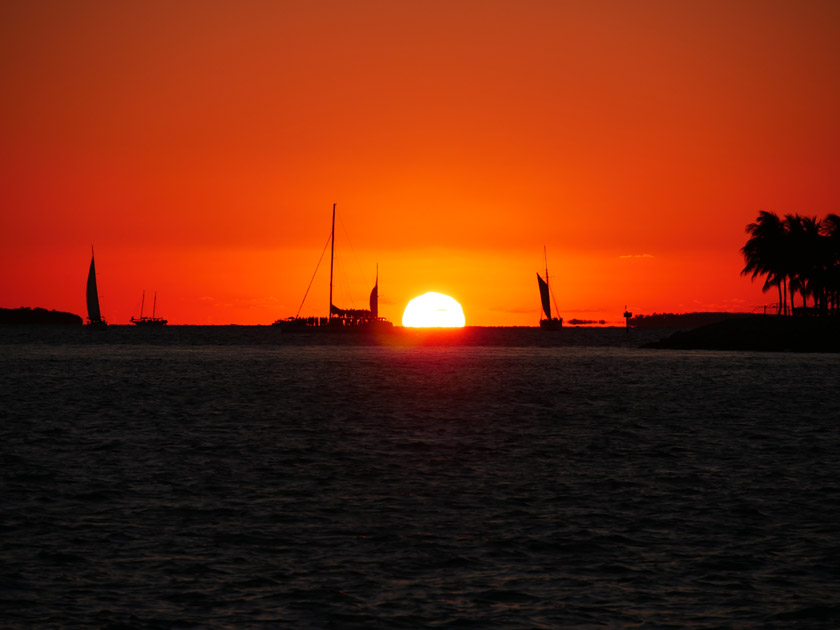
point(803, 247)
point(797, 254)
point(764, 254)
point(831, 233)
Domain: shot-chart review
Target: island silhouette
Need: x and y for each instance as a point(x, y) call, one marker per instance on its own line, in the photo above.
point(37, 315)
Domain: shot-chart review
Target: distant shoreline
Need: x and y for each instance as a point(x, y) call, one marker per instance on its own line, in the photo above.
point(763, 333)
point(38, 316)
point(684, 320)
point(754, 333)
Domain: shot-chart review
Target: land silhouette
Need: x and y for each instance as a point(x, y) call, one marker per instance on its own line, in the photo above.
point(26, 315)
point(682, 320)
point(763, 333)
point(796, 255)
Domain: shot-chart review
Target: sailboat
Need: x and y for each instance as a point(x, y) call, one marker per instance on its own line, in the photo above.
point(94, 315)
point(549, 323)
point(145, 320)
point(339, 318)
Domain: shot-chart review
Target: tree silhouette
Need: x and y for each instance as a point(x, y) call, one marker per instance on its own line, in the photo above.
point(764, 254)
point(800, 244)
point(831, 231)
point(797, 254)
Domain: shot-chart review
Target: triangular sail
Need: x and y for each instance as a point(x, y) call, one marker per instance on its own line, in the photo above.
point(374, 297)
point(544, 296)
point(94, 316)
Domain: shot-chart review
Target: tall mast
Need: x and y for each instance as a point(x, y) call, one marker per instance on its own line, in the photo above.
point(545, 255)
point(548, 286)
point(154, 305)
point(142, 303)
point(332, 253)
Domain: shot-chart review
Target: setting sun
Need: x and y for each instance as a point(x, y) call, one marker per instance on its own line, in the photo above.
point(433, 310)
point(470, 139)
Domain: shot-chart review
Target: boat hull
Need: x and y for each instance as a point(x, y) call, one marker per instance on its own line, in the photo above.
point(153, 322)
point(337, 324)
point(555, 323)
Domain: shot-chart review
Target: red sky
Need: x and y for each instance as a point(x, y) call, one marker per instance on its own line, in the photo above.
point(199, 146)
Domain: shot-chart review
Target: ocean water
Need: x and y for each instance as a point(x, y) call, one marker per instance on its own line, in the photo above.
point(227, 478)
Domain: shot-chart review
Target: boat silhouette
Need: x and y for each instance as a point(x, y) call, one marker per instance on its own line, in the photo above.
point(145, 320)
point(339, 318)
point(549, 322)
point(95, 319)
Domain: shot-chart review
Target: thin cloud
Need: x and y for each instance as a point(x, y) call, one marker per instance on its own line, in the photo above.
point(636, 256)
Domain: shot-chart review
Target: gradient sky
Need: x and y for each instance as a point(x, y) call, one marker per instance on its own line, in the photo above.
point(199, 146)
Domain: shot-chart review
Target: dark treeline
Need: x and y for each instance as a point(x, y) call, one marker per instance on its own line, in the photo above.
point(38, 315)
point(797, 256)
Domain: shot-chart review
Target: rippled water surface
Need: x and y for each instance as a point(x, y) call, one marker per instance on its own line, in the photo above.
point(243, 485)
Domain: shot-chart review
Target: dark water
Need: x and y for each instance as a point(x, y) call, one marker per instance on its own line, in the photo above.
point(238, 482)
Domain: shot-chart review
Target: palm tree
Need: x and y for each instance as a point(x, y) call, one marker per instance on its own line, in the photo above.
point(764, 254)
point(798, 254)
point(831, 233)
point(803, 247)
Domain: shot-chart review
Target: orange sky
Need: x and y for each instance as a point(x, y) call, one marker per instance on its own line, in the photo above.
point(199, 146)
